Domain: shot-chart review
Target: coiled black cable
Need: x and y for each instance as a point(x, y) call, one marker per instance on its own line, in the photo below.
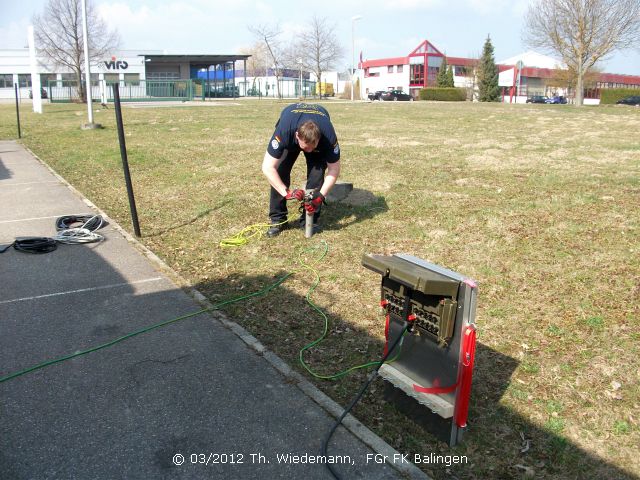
point(35, 244)
point(67, 233)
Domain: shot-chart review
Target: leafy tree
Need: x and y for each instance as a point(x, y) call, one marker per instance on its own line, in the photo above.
point(59, 38)
point(582, 32)
point(488, 75)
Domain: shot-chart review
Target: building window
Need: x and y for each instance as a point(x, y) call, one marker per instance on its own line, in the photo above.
point(68, 79)
point(416, 74)
point(132, 79)
point(6, 80)
point(432, 75)
point(399, 68)
point(111, 77)
point(163, 75)
point(390, 69)
point(45, 78)
point(24, 80)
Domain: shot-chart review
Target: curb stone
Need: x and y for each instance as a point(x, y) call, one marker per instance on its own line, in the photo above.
point(352, 424)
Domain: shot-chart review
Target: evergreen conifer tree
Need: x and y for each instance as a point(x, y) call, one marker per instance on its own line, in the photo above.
point(489, 91)
point(450, 82)
point(441, 79)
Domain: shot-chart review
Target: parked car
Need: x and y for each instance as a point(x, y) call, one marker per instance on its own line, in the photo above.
point(395, 95)
point(43, 93)
point(373, 96)
point(537, 99)
point(558, 99)
point(632, 100)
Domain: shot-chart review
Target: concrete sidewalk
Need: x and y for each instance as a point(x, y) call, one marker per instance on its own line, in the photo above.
point(201, 392)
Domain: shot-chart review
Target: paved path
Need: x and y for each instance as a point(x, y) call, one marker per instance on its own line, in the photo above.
point(193, 388)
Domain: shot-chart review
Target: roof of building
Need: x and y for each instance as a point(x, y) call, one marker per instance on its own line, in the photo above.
point(425, 47)
point(533, 59)
point(383, 62)
point(193, 59)
point(551, 73)
point(619, 78)
point(461, 61)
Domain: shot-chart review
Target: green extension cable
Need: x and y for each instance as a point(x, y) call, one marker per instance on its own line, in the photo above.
point(316, 282)
point(325, 249)
point(146, 329)
point(244, 236)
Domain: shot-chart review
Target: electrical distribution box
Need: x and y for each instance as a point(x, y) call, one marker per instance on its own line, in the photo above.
point(433, 363)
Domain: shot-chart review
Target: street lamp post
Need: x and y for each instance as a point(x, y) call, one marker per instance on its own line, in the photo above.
point(87, 71)
point(301, 89)
point(353, 51)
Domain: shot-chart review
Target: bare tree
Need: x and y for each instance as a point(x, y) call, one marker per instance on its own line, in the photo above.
point(256, 63)
point(269, 34)
point(58, 35)
point(318, 47)
point(582, 32)
point(471, 77)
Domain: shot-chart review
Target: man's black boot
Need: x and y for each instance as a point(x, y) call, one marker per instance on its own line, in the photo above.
point(275, 229)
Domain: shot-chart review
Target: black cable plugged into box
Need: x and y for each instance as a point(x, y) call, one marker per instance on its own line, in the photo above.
point(365, 386)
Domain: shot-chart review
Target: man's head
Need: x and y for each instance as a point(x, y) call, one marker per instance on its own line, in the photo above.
point(308, 136)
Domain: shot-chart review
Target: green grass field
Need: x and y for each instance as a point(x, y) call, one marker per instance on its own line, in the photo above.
point(538, 203)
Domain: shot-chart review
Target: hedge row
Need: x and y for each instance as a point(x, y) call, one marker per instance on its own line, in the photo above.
point(609, 96)
point(444, 94)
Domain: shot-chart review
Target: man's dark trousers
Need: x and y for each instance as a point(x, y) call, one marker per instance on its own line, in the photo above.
point(315, 178)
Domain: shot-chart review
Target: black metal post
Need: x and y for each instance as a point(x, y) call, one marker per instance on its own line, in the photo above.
point(17, 110)
point(125, 162)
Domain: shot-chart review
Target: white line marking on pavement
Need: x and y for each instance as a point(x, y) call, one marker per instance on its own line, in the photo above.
point(27, 183)
point(29, 219)
point(82, 290)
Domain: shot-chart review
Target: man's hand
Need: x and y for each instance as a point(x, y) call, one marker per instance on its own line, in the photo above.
point(313, 205)
point(296, 194)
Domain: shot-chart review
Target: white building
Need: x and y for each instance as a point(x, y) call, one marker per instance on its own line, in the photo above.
point(129, 67)
point(419, 69)
point(15, 69)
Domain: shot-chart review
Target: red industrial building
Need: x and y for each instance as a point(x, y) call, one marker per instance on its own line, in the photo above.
point(521, 76)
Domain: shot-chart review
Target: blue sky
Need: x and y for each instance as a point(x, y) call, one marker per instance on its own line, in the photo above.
point(388, 28)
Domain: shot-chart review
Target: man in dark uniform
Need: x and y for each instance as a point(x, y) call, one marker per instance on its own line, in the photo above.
point(301, 127)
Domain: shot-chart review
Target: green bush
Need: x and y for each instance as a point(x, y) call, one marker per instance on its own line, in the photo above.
point(444, 94)
point(609, 96)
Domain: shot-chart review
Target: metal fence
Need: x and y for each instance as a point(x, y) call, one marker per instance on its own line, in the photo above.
point(182, 90)
point(289, 88)
point(144, 90)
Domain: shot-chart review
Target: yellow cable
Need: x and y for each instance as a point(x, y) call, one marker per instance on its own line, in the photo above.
point(257, 230)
